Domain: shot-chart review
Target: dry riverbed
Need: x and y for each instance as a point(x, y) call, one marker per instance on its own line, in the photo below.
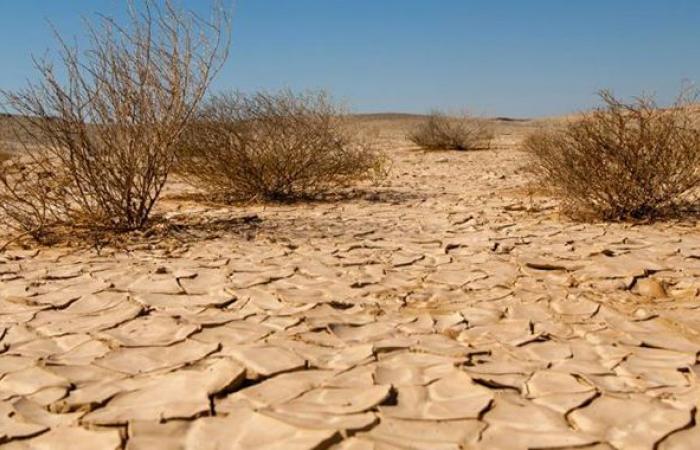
point(442, 309)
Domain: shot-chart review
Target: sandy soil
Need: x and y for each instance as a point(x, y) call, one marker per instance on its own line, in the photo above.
point(444, 309)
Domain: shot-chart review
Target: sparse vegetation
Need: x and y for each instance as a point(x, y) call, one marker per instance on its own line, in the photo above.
point(101, 144)
point(622, 161)
point(277, 146)
point(442, 132)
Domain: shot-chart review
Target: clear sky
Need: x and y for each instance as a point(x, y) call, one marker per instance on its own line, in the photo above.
point(495, 57)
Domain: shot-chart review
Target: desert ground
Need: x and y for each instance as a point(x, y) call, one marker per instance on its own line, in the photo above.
point(449, 306)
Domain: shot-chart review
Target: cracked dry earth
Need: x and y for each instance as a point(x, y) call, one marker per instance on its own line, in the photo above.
point(446, 310)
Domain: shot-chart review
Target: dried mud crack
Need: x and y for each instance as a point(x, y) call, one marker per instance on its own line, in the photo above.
point(467, 317)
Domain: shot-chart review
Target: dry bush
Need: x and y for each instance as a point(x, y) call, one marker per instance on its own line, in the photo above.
point(30, 198)
point(442, 132)
point(100, 133)
point(622, 161)
point(277, 146)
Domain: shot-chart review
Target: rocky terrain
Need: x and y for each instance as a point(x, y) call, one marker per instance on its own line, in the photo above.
point(445, 308)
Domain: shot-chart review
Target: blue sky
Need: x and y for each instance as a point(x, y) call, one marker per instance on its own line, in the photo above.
point(496, 57)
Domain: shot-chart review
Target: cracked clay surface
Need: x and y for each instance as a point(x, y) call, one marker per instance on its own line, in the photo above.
point(447, 310)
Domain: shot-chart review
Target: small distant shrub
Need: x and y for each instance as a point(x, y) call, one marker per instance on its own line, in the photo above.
point(273, 146)
point(442, 132)
point(621, 161)
point(100, 137)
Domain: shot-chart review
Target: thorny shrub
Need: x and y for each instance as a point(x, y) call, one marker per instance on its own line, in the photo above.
point(442, 132)
point(274, 146)
point(100, 133)
point(623, 160)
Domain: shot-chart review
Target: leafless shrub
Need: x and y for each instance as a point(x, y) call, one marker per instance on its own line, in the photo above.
point(30, 198)
point(277, 146)
point(442, 132)
point(622, 161)
point(101, 144)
